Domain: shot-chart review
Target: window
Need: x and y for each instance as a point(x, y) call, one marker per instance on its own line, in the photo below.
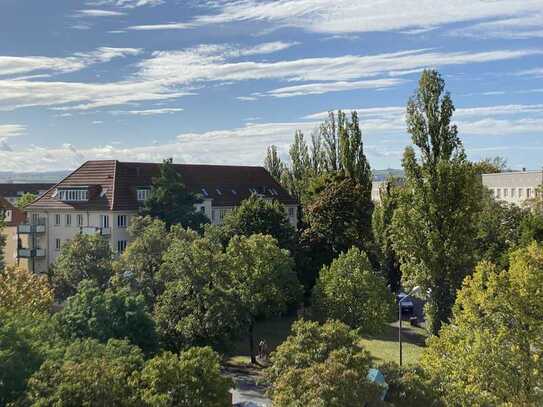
point(121, 221)
point(505, 192)
point(35, 218)
point(512, 192)
point(57, 244)
point(73, 194)
point(528, 193)
point(57, 219)
point(203, 209)
point(499, 193)
point(204, 191)
point(291, 212)
point(121, 246)
point(218, 191)
point(222, 213)
point(68, 220)
point(79, 220)
point(520, 192)
point(104, 221)
point(142, 194)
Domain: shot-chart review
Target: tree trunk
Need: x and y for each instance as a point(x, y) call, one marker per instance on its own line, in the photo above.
point(252, 343)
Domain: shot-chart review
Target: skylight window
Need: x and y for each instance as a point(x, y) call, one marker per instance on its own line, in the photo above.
point(204, 191)
point(218, 191)
point(234, 192)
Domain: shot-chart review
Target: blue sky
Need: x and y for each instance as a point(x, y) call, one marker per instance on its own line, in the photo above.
point(218, 81)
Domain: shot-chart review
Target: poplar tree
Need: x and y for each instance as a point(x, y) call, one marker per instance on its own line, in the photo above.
point(273, 163)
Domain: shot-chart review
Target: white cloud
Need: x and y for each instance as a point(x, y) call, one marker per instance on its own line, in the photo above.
point(347, 16)
point(10, 130)
point(99, 13)
point(165, 26)
point(4, 146)
point(125, 3)
point(10, 65)
point(148, 112)
point(522, 27)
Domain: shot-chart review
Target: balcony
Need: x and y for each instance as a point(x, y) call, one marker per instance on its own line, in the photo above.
point(30, 253)
point(28, 229)
point(92, 230)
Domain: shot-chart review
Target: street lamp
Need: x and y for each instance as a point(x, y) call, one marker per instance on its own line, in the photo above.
point(413, 291)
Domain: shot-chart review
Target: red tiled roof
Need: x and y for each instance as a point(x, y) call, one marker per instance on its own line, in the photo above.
point(17, 215)
point(13, 189)
point(113, 184)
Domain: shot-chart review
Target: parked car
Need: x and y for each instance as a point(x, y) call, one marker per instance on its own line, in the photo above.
point(406, 303)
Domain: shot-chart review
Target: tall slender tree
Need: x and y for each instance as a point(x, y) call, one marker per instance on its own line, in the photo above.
point(435, 224)
point(273, 163)
point(2, 241)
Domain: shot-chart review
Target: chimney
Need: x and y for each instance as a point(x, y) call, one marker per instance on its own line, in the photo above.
point(523, 169)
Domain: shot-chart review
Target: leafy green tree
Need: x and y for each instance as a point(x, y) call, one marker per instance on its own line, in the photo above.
point(85, 257)
point(263, 279)
point(25, 292)
point(2, 240)
point(19, 359)
point(191, 379)
point(88, 374)
point(103, 315)
point(435, 223)
point(491, 165)
point(531, 228)
point(408, 387)
point(256, 215)
point(320, 365)
point(491, 352)
point(199, 306)
point(139, 266)
point(26, 199)
point(350, 291)
point(273, 163)
point(296, 177)
point(171, 202)
point(383, 233)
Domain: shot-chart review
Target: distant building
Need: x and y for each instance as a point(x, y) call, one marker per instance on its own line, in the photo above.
point(12, 191)
point(101, 197)
point(13, 217)
point(514, 187)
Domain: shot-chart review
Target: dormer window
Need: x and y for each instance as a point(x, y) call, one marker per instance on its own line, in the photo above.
point(142, 194)
point(73, 195)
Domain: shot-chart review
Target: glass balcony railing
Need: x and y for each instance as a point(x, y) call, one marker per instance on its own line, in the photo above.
point(27, 228)
point(30, 253)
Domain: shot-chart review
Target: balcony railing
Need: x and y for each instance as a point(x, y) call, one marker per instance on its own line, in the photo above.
point(27, 228)
point(30, 253)
point(92, 230)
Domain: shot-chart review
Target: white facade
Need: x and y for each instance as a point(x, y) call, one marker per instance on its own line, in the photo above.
point(514, 187)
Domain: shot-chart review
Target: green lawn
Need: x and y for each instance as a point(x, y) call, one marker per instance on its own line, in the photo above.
point(383, 348)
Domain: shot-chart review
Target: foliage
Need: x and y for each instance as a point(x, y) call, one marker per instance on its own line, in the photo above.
point(93, 313)
point(89, 374)
point(191, 379)
point(435, 223)
point(320, 365)
point(198, 306)
point(338, 218)
point(171, 202)
point(19, 358)
point(263, 278)
point(499, 229)
point(350, 291)
point(26, 199)
point(491, 166)
point(382, 217)
point(491, 353)
point(138, 267)
point(256, 215)
point(531, 228)
point(407, 387)
point(85, 257)
point(24, 291)
point(273, 163)
point(2, 241)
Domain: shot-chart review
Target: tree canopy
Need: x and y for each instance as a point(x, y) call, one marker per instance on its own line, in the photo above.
point(171, 202)
point(25, 199)
point(24, 291)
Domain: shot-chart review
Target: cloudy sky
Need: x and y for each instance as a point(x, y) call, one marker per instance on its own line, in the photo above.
point(216, 81)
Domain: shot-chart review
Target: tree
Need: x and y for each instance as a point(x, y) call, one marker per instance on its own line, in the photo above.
point(263, 279)
point(382, 217)
point(23, 291)
point(2, 240)
point(171, 202)
point(296, 177)
point(25, 199)
point(139, 265)
point(191, 379)
point(435, 223)
point(320, 365)
point(273, 163)
point(88, 374)
point(256, 215)
point(408, 387)
point(531, 228)
point(85, 257)
point(491, 165)
point(103, 315)
point(491, 352)
point(199, 306)
point(338, 218)
point(350, 291)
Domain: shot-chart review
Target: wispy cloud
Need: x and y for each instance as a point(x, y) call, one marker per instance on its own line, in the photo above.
point(125, 3)
point(522, 27)
point(99, 13)
point(148, 112)
point(10, 130)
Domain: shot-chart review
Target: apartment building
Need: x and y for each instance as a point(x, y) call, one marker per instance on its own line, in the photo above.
point(12, 217)
point(101, 197)
point(13, 191)
point(514, 187)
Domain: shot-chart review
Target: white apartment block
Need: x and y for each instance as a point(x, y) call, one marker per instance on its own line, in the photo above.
point(101, 197)
point(514, 187)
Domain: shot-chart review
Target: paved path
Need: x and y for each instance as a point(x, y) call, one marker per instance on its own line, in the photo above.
point(247, 390)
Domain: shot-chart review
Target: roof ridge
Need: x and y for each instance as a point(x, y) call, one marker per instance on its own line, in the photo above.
point(112, 204)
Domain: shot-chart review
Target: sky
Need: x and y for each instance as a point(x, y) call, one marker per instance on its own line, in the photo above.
point(215, 81)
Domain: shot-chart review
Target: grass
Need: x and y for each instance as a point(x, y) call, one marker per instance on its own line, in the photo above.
point(383, 347)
